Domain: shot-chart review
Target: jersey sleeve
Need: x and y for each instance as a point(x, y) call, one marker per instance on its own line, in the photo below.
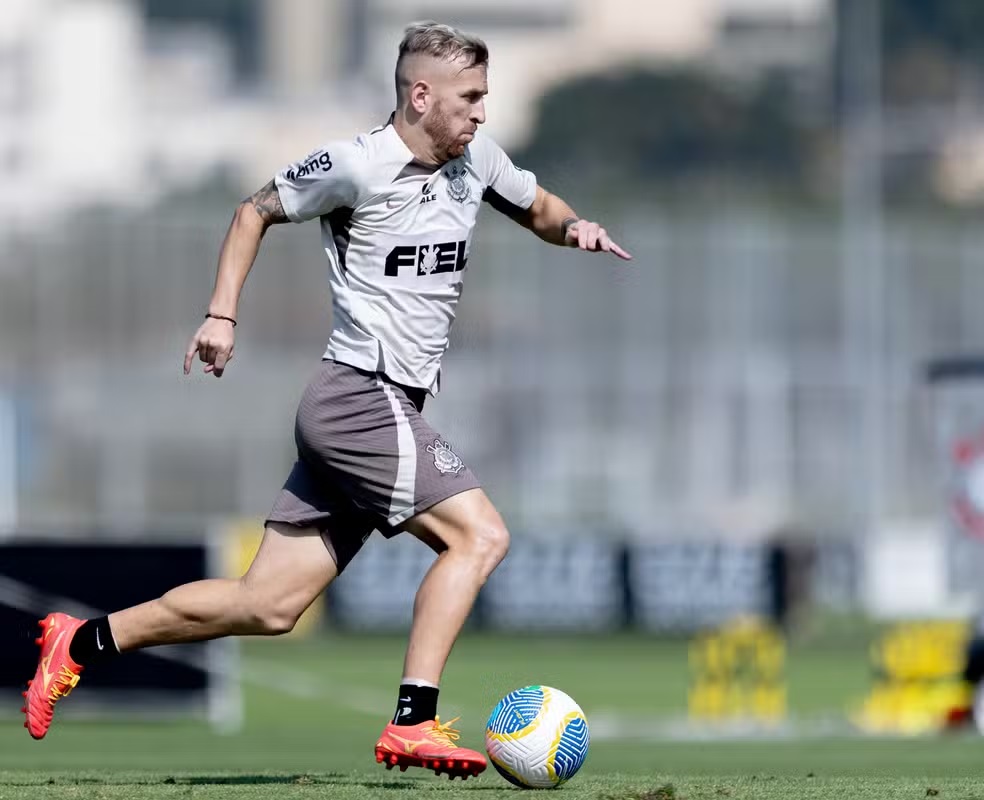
point(506, 184)
point(327, 179)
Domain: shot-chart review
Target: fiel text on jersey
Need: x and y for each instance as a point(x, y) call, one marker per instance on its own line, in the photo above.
point(429, 195)
point(426, 259)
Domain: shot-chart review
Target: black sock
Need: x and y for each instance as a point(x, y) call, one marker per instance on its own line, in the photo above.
point(417, 704)
point(93, 643)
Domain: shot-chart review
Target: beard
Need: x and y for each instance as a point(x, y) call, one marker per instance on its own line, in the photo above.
point(439, 128)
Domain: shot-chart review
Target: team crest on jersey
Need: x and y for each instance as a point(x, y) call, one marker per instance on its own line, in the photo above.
point(445, 459)
point(428, 259)
point(458, 187)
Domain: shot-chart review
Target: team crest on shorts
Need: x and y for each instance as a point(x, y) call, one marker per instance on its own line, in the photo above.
point(458, 186)
point(445, 459)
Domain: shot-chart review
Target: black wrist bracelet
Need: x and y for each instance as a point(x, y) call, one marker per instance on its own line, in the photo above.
point(219, 316)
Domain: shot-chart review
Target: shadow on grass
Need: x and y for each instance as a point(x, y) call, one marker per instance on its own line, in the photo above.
point(419, 782)
point(303, 779)
point(187, 780)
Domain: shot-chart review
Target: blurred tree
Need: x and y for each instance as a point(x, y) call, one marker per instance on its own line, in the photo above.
point(691, 127)
point(931, 61)
point(953, 26)
point(639, 127)
point(931, 49)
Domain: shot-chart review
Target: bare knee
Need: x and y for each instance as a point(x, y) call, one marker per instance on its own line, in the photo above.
point(271, 622)
point(267, 615)
point(465, 526)
point(290, 570)
point(487, 543)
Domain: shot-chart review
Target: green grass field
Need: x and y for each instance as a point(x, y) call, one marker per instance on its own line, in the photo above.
point(313, 709)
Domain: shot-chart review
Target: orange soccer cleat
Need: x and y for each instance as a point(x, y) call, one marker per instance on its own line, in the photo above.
point(57, 673)
point(430, 745)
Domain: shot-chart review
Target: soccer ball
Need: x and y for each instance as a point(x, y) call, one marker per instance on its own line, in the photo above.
point(537, 737)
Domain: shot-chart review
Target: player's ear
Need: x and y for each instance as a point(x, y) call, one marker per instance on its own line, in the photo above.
point(420, 94)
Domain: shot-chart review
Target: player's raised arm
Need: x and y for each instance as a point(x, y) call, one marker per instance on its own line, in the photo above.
point(515, 192)
point(550, 218)
point(214, 340)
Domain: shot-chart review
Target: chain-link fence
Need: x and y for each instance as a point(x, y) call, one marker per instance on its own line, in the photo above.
point(713, 379)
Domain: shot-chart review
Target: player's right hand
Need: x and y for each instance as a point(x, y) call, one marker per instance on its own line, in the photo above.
point(214, 342)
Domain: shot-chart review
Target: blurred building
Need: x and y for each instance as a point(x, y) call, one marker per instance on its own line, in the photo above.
point(122, 101)
point(102, 103)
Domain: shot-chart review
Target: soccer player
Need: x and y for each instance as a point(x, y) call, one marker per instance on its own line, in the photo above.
point(397, 208)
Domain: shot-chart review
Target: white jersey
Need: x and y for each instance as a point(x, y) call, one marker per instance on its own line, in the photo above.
point(397, 234)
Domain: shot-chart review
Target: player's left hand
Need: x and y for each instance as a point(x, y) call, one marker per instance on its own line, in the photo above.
point(592, 237)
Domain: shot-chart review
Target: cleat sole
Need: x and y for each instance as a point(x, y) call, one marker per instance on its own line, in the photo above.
point(453, 769)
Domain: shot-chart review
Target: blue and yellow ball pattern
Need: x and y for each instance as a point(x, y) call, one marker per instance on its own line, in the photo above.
point(537, 737)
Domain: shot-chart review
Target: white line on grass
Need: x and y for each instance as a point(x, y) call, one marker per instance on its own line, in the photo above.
point(606, 725)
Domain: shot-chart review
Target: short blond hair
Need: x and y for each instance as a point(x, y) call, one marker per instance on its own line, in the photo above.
point(441, 42)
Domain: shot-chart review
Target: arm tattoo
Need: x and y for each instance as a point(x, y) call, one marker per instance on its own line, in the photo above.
point(565, 226)
point(267, 204)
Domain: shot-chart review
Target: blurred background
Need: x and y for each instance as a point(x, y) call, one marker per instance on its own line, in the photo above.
point(773, 415)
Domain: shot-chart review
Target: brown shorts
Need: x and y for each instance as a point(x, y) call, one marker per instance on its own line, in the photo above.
point(366, 460)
